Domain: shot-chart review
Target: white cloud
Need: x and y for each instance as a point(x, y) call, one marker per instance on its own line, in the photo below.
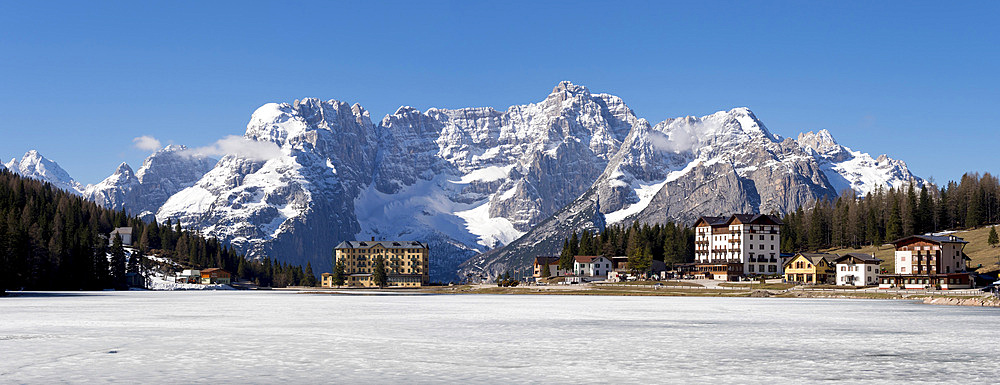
point(147, 143)
point(241, 147)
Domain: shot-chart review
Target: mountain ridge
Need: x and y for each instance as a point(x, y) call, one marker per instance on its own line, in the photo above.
point(478, 183)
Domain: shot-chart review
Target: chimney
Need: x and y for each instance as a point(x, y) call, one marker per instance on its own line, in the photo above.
point(373, 239)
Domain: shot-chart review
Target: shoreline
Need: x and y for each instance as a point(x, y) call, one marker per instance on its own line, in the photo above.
point(956, 299)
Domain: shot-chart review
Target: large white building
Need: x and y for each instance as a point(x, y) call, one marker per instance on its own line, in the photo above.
point(857, 269)
point(927, 262)
point(591, 266)
point(738, 245)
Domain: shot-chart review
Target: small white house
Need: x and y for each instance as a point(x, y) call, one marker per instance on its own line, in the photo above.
point(856, 269)
point(188, 276)
point(591, 266)
point(124, 232)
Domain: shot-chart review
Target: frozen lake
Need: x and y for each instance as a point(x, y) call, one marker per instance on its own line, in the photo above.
point(279, 337)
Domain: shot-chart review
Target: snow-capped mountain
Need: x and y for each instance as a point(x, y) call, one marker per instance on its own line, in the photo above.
point(34, 165)
point(464, 180)
point(679, 170)
point(163, 174)
point(486, 189)
point(855, 170)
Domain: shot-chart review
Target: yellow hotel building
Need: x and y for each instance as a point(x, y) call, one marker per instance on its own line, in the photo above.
point(405, 263)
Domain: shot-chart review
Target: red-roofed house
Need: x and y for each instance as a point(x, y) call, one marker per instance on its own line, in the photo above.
point(591, 266)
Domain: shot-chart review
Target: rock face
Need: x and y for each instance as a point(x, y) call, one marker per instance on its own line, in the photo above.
point(464, 180)
point(34, 165)
point(486, 189)
point(854, 170)
point(163, 174)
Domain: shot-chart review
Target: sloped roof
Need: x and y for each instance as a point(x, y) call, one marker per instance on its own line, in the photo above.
point(122, 230)
point(586, 258)
point(546, 260)
point(743, 218)
point(385, 244)
point(860, 257)
point(939, 239)
point(814, 258)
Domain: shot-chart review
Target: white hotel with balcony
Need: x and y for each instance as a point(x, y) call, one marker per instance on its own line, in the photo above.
point(739, 245)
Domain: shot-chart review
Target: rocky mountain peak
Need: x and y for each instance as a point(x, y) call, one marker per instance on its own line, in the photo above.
point(36, 166)
point(821, 142)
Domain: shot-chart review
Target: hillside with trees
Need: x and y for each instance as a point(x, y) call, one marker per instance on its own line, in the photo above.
point(54, 240)
point(642, 243)
point(889, 214)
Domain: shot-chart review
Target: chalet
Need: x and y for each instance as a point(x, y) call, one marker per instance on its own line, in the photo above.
point(857, 269)
point(738, 245)
point(124, 232)
point(591, 266)
point(813, 268)
point(553, 265)
point(215, 275)
point(928, 261)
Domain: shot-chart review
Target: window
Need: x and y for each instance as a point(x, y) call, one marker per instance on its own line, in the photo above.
point(751, 268)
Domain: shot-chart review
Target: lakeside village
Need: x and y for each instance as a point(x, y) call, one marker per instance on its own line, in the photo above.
point(734, 248)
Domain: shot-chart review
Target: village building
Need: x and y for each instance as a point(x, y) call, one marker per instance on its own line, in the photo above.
point(124, 232)
point(552, 263)
point(591, 266)
point(188, 276)
point(811, 268)
point(214, 275)
point(857, 269)
point(740, 245)
point(406, 262)
point(928, 261)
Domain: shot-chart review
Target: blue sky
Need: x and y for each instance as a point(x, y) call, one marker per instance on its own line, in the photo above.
point(916, 80)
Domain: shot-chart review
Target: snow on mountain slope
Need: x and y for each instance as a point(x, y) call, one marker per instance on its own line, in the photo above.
point(164, 173)
point(659, 160)
point(463, 180)
point(855, 170)
point(34, 165)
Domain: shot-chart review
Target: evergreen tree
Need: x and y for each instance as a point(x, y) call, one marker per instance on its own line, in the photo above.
point(379, 275)
point(993, 239)
point(339, 275)
point(309, 278)
point(118, 263)
point(545, 271)
point(566, 257)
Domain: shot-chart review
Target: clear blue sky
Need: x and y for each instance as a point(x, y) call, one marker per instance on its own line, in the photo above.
point(916, 80)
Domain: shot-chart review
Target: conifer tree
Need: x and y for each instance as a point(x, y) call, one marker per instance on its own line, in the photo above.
point(566, 257)
point(309, 278)
point(993, 239)
point(545, 270)
point(118, 263)
point(379, 274)
point(339, 275)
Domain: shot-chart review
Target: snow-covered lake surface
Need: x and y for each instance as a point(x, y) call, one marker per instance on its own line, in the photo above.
point(280, 337)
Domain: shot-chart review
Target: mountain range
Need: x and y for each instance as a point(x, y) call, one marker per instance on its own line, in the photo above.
point(486, 189)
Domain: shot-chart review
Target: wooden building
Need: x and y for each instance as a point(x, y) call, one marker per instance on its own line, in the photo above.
point(215, 275)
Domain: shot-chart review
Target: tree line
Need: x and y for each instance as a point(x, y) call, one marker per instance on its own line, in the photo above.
point(51, 239)
point(641, 243)
point(887, 214)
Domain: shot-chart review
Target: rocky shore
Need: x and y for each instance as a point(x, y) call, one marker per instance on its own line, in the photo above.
point(971, 301)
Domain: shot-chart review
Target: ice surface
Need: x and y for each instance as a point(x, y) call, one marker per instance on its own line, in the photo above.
point(280, 337)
